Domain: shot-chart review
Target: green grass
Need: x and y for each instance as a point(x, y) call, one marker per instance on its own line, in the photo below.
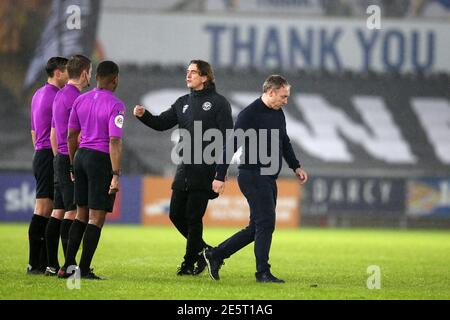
point(140, 263)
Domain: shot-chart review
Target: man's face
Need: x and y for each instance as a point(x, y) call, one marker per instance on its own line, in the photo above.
point(279, 97)
point(193, 78)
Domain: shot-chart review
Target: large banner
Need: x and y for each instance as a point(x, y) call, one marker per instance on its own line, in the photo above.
point(71, 29)
point(338, 125)
point(358, 195)
point(428, 196)
point(230, 209)
point(287, 43)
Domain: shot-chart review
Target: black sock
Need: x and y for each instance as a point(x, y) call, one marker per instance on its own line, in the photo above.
point(75, 235)
point(52, 241)
point(90, 242)
point(65, 227)
point(36, 236)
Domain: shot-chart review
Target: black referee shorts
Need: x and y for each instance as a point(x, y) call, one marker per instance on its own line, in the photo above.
point(43, 173)
point(64, 188)
point(92, 179)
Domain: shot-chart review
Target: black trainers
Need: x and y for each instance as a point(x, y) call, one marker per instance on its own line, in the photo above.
point(51, 271)
point(201, 262)
point(91, 276)
point(213, 264)
point(185, 269)
point(34, 271)
point(267, 277)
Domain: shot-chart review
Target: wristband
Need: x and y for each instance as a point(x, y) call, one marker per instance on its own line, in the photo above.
point(116, 172)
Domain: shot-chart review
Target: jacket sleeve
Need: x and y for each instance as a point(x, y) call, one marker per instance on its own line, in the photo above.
point(166, 120)
point(224, 118)
point(288, 151)
point(243, 122)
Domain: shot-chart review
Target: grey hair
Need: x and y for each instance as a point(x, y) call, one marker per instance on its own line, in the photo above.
point(275, 81)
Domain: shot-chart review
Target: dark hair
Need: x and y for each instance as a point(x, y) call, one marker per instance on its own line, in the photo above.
point(55, 63)
point(77, 64)
point(275, 81)
point(107, 70)
point(204, 69)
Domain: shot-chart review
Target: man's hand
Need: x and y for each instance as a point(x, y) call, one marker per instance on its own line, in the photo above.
point(114, 187)
point(218, 186)
point(139, 111)
point(301, 175)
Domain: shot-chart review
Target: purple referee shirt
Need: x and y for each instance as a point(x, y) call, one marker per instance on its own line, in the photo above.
point(99, 115)
point(62, 105)
point(41, 115)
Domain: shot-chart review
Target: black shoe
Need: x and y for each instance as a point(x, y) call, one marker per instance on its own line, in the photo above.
point(185, 269)
point(91, 276)
point(51, 271)
point(34, 271)
point(201, 262)
point(267, 277)
point(213, 264)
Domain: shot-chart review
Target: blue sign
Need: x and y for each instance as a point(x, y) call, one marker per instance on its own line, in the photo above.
point(17, 197)
point(344, 195)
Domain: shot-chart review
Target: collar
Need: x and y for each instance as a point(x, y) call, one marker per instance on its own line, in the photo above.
point(205, 91)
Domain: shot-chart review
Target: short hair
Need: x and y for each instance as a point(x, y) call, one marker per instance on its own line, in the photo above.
point(205, 69)
point(275, 81)
point(77, 64)
point(55, 63)
point(107, 70)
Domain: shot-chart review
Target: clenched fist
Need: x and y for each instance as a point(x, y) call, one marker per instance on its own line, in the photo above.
point(139, 111)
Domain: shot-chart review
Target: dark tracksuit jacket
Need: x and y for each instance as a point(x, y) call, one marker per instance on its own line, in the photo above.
point(207, 106)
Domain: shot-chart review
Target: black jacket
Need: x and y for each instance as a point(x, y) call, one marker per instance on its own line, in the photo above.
point(214, 111)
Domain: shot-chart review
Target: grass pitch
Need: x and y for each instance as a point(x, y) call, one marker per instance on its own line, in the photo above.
point(140, 263)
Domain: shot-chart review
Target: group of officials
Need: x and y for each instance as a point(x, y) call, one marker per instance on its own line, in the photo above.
point(76, 164)
point(78, 145)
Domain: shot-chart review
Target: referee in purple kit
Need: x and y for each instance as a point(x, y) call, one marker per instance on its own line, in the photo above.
point(96, 164)
point(41, 117)
point(79, 69)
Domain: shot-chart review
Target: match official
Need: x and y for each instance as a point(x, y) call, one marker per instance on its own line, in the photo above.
point(79, 69)
point(41, 120)
point(96, 164)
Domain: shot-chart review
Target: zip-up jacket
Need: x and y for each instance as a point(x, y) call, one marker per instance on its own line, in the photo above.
point(214, 112)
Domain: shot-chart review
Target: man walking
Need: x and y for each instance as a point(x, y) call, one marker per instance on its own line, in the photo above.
point(191, 187)
point(64, 210)
point(258, 186)
point(99, 115)
point(41, 117)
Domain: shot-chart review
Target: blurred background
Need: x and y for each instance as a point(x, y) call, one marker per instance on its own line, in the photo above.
point(369, 113)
